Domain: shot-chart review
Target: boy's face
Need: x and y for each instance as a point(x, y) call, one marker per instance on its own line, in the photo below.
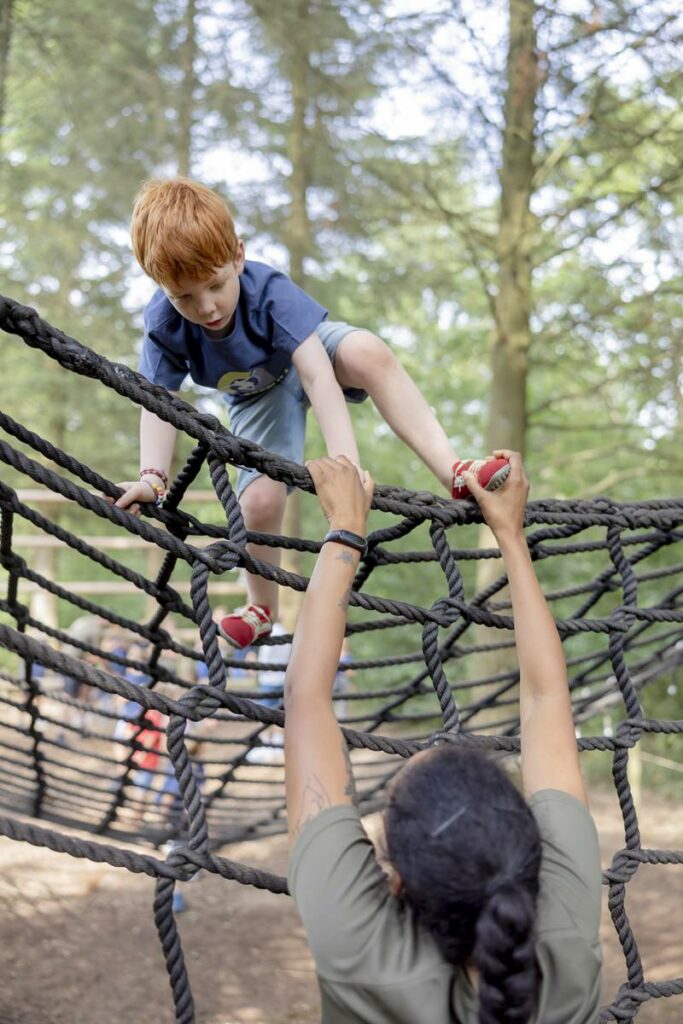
point(210, 302)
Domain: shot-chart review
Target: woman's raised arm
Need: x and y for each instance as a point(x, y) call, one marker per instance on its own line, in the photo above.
point(550, 757)
point(317, 766)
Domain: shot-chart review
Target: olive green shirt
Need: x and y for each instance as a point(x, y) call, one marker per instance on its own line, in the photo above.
point(376, 965)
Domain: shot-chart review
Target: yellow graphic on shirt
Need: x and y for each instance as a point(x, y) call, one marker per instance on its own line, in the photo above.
point(245, 382)
point(249, 382)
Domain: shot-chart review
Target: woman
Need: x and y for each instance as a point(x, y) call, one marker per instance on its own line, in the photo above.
point(492, 912)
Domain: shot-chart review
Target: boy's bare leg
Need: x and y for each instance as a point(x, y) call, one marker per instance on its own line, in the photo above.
point(263, 508)
point(364, 361)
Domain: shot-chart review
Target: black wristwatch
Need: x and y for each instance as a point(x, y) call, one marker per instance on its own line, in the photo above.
point(351, 540)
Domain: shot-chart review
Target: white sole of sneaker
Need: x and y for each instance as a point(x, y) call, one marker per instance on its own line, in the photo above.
point(498, 478)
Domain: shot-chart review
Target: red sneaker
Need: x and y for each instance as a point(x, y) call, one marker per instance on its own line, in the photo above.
point(490, 473)
point(245, 625)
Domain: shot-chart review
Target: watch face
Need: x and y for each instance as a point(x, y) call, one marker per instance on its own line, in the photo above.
point(352, 540)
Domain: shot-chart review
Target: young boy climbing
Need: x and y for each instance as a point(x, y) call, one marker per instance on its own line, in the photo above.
point(247, 330)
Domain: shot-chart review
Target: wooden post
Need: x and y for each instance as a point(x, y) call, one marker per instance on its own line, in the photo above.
point(43, 605)
point(635, 774)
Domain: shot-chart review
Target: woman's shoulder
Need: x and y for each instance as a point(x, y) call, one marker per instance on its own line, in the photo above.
point(568, 910)
point(564, 822)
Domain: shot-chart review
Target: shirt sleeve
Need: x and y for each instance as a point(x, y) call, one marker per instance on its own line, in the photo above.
point(159, 366)
point(571, 857)
point(374, 964)
point(568, 921)
point(293, 314)
point(334, 876)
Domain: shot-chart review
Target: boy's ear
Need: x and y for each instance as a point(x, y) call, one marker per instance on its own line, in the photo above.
point(239, 259)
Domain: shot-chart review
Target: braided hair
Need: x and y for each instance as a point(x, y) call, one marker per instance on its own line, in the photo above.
point(468, 852)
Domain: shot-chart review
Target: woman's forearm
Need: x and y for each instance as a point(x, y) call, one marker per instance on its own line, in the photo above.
point(542, 665)
point(318, 772)
point(322, 622)
point(548, 743)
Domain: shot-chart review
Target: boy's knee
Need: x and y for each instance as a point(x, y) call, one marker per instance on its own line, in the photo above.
point(368, 358)
point(263, 502)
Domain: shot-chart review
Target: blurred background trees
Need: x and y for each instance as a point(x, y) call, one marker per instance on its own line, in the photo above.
point(495, 189)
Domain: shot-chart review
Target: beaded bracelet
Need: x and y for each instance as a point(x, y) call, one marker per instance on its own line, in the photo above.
point(160, 492)
point(155, 472)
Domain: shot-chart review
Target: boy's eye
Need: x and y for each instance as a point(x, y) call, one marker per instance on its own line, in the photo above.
point(216, 286)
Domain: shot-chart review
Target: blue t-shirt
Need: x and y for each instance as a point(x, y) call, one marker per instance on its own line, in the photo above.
point(272, 318)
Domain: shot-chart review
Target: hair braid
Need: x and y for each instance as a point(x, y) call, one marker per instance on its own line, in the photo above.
point(504, 956)
point(468, 851)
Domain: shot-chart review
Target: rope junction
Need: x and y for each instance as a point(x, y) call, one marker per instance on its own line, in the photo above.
point(74, 761)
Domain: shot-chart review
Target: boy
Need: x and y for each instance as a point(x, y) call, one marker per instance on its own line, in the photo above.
point(247, 330)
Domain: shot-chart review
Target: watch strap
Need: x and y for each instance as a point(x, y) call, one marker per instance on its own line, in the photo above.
point(349, 539)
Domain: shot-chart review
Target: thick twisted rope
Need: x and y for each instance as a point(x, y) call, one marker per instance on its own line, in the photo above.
point(633, 533)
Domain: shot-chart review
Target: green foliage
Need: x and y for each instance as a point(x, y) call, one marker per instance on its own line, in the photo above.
point(392, 222)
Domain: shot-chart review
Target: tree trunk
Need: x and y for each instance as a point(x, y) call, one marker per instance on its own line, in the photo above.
point(512, 335)
point(510, 348)
point(6, 7)
point(299, 233)
point(188, 52)
point(299, 245)
point(676, 364)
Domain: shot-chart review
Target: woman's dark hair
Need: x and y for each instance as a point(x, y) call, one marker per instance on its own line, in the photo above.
point(468, 851)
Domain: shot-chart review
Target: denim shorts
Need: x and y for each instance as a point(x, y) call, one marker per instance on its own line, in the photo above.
point(276, 419)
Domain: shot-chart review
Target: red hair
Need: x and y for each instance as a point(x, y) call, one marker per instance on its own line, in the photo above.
point(181, 228)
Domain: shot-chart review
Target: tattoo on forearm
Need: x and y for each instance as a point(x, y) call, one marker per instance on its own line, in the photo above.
point(314, 799)
point(347, 558)
point(350, 788)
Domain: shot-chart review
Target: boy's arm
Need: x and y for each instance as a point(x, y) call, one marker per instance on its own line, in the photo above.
point(317, 765)
point(550, 757)
point(157, 441)
point(326, 398)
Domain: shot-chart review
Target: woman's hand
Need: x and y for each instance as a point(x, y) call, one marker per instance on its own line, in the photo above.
point(345, 493)
point(503, 509)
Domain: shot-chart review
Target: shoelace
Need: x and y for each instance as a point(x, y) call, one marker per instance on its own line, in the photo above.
point(469, 466)
point(254, 616)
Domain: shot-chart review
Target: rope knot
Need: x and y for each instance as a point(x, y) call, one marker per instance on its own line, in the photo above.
point(447, 611)
point(224, 555)
point(177, 857)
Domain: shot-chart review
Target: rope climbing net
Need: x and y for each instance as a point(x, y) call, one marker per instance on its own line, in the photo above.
point(72, 755)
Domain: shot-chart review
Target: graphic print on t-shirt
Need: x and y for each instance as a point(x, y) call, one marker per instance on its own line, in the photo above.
point(247, 382)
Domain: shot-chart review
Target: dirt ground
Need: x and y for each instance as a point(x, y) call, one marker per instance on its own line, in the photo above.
point(78, 943)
